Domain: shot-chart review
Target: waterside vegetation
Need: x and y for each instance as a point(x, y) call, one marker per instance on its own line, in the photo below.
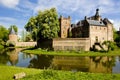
point(73, 53)
point(7, 72)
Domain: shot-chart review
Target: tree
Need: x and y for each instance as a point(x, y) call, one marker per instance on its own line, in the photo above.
point(14, 27)
point(45, 25)
point(48, 24)
point(110, 45)
point(116, 37)
point(31, 25)
point(3, 33)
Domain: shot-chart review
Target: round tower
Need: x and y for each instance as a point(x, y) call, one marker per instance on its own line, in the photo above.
point(12, 35)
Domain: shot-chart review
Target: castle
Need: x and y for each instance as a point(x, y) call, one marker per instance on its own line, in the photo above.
point(85, 33)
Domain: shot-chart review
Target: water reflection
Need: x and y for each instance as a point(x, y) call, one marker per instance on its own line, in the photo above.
point(42, 62)
point(99, 64)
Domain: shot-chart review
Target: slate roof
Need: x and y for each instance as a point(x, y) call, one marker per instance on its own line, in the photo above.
point(95, 22)
point(12, 31)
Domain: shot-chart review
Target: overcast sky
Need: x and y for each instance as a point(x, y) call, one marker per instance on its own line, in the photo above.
point(18, 12)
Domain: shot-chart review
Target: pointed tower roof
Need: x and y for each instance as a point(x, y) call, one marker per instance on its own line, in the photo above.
point(97, 12)
point(12, 31)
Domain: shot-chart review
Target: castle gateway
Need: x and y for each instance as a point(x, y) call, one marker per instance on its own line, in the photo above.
point(85, 33)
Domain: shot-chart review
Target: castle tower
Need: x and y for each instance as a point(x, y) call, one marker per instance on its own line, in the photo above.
point(12, 35)
point(65, 24)
point(97, 16)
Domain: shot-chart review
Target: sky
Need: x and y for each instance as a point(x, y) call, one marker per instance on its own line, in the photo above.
point(18, 12)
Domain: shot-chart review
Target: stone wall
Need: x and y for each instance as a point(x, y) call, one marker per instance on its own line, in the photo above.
point(26, 44)
point(71, 44)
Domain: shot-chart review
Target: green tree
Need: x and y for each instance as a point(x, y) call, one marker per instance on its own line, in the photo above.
point(110, 45)
point(31, 25)
point(14, 27)
point(48, 24)
point(3, 33)
point(116, 37)
point(45, 25)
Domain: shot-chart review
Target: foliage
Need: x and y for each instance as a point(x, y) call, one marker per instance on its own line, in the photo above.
point(115, 34)
point(32, 24)
point(3, 33)
point(117, 40)
point(10, 44)
point(116, 37)
point(45, 25)
point(1, 46)
point(110, 45)
point(14, 27)
point(67, 75)
point(28, 37)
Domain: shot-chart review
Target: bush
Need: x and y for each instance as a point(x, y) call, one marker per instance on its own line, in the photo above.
point(110, 45)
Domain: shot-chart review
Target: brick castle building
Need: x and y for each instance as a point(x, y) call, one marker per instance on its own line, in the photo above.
point(85, 33)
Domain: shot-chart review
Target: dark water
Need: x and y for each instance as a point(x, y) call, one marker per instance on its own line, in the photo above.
point(97, 64)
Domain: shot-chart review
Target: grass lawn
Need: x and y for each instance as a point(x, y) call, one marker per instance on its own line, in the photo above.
point(7, 72)
point(74, 53)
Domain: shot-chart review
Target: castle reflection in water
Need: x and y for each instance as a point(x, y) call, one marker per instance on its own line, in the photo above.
point(99, 64)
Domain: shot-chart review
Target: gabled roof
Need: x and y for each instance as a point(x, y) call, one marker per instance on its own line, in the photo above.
point(95, 22)
point(12, 31)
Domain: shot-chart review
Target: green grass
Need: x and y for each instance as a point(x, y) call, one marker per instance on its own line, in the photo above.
point(7, 72)
point(74, 53)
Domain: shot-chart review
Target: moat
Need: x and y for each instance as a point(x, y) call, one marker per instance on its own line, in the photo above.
point(99, 64)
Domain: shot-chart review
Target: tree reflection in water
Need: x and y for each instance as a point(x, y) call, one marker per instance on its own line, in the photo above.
point(3, 57)
point(104, 63)
point(96, 60)
point(42, 62)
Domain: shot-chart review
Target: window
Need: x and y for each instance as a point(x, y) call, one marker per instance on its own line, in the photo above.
point(96, 38)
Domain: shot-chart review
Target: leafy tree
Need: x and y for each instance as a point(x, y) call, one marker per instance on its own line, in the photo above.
point(28, 37)
point(14, 27)
point(3, 34)
point(31, 25)
point(110, 45)
point(44, 26)
point(116, 37)
point(48, 24)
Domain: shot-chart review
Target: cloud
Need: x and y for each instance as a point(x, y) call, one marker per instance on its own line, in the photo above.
point(82, 7)
point(9, 3)
point(7, 21)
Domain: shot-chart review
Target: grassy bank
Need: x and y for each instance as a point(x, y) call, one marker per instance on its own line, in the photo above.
point(7, 72)
point(74, 53)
